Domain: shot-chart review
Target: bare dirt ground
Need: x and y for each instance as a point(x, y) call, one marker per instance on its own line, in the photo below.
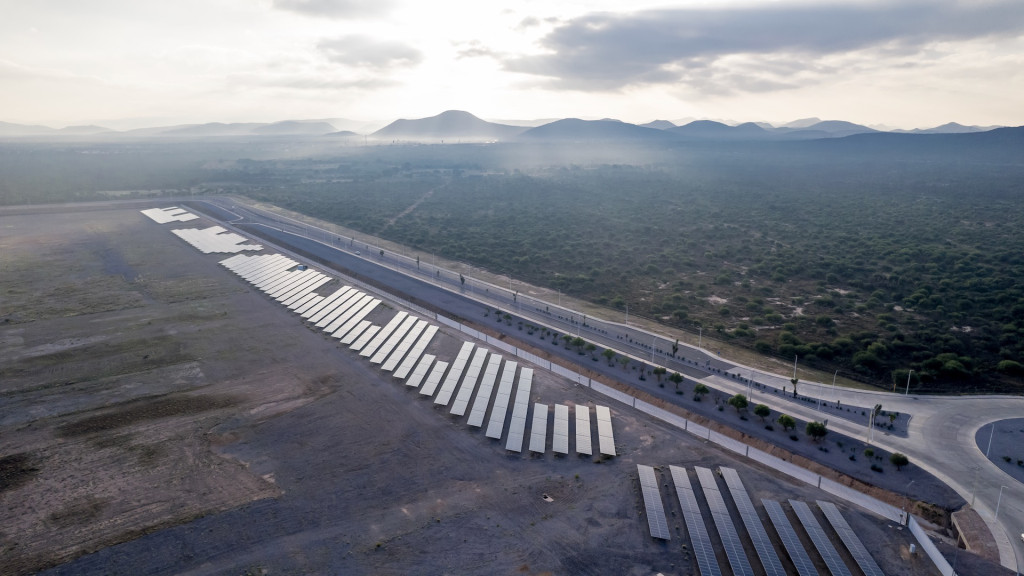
point(158, 416)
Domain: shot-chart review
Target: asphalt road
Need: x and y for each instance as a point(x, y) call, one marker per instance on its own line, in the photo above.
point(940, 437)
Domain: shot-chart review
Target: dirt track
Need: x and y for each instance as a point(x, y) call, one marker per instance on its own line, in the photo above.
point(158, 412)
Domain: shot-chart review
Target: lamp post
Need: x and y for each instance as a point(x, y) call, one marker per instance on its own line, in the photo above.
point(999, 501)
point(700, 336)
point(906, 513)
point(990, 435)
point(908, 382)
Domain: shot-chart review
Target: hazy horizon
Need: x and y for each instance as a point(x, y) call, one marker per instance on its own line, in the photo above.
point(124, 65)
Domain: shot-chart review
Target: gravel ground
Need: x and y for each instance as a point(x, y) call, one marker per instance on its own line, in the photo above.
point(158, 416)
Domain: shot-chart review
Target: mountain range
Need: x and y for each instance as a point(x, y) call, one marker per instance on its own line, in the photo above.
point(459, 126)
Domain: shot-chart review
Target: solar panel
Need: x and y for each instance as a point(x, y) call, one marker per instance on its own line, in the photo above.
point(797, 555)
point(469, 382)
point(384, 333)
point(652, 502)
point(328, 313)
point(849, 537)
point(172, 214)
point(723, 522)
point(309, 299)
point(396, 336)
point(260, 270)
point(327, 303)
point(483, 397)
point(355, 316)
point(452, 380)
point(231, 261)
point(301, 292)
point(344, 313)
point(214, 239)
point(268, 284)
point(560, 433)
point(517, 425)
point(500, 407)
point(605, 438)
point(825, 548)
point(421, 371)
point(539, 429)
point(758, 535)
point(583, 444)
point(421, 345)
point(365, 337)
point(298, 278)
point(404, 346)
point(699, 538)
point(434, 379)
point(359, 329)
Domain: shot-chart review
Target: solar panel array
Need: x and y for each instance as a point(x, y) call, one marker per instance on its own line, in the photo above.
point(500, 406)
point(539, 429)
point(755, 529)
point(517, 426)
point(215, 240)
point(849, 537)
point(469, 383)
point(797, 555)
point(605, 437)
point(723, 522)
point(583, 430)
point(560, 433)
point(652, 502)
point(707, 563)
point(476, 416)
point(825, 548)
point(452, 380)
point(172, 214)
point(400, 345)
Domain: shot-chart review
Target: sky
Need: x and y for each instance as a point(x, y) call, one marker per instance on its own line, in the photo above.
point(134, 63)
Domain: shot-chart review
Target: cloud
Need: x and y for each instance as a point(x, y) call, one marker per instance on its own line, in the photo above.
point(365, 52)
point(335, 8)
point(610, 51)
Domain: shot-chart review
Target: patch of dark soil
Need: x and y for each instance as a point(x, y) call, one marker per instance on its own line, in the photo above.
point(78, 512)
point(139, 411)
point(15, 470)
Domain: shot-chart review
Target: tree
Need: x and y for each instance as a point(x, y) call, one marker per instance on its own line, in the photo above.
point(739, 402)
point(677, 379)
point(898, 460)
point(699, 390)
point(794, 381)
point(567, 339)
point(762, 411)
point(675, 347)
point(608, 355)
point(624, 360)
point(659, 372)
point(786, 421)
point(591, 348)
point(462, 278)
point(816, 430)
point(579, 343)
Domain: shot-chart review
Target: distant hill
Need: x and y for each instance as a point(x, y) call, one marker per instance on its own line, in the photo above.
point(295, 127)
point(576, 130)
point(343, 134)
point(711, 130)
point(948, 128)
point(449, 125)
point(659, 125)
point(9, 129)
point(821, 129)
point(802, 123)
point(212, 129)
point(84, 130)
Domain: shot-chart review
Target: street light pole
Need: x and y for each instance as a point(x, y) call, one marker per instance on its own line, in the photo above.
point(700, 336)
point(834, 385)
point(999, 501)
point(908, 382)
point(990, 435)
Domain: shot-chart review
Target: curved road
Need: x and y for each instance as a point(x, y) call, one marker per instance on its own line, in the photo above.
point(940, 437)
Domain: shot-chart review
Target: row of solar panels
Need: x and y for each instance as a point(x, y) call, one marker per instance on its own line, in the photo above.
point(400, 346)
point(730, 540)
point(215, 239)
point(171, 214)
